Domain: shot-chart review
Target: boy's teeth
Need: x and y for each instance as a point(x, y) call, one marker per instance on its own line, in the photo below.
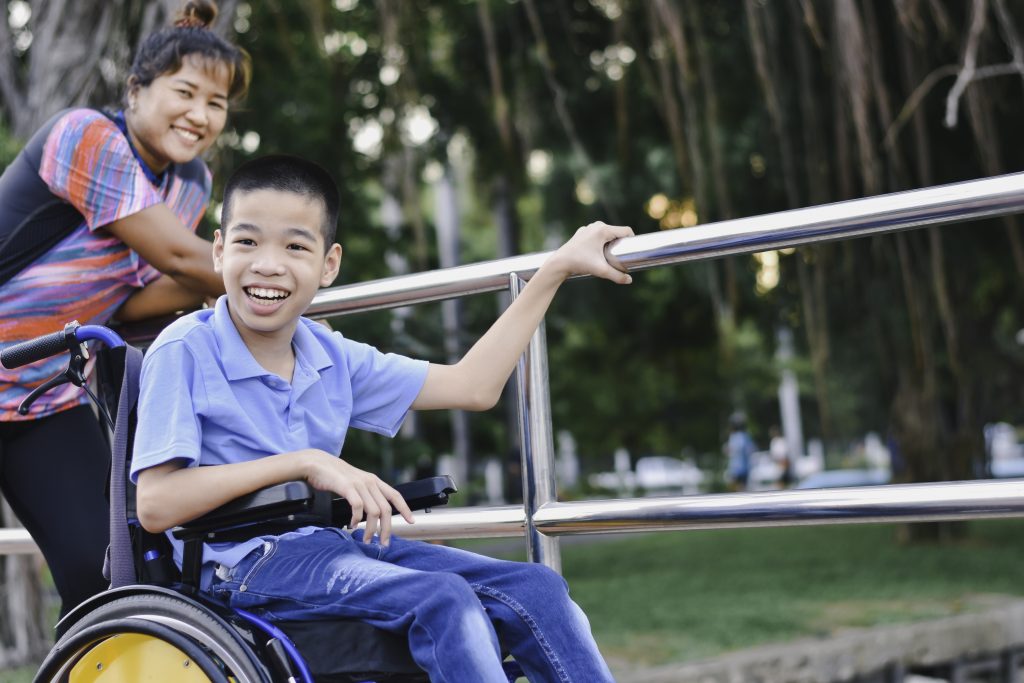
point(187, 134)
point(264, 293)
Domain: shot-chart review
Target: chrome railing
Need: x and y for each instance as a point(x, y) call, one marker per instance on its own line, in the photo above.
point(542, 519)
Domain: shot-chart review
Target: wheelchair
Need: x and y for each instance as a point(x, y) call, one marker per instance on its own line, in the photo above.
point(154, 624)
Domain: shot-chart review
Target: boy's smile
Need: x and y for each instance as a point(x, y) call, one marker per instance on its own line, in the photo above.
point(273, 260)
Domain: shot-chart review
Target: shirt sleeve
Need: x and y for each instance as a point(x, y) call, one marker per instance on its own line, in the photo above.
point(384, 385)
point(170, 394)
point(88, 163)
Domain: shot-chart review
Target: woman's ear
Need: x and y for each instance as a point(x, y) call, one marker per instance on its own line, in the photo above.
point(132, 93)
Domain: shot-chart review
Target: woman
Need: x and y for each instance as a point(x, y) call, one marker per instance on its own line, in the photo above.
point(135, 189)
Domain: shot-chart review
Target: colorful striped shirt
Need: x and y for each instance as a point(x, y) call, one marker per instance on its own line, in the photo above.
point(88, 275)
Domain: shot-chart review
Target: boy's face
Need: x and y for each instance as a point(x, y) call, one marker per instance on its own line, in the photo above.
point(273, 259)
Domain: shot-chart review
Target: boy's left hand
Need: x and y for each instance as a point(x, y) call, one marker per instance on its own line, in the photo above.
point(583, 254)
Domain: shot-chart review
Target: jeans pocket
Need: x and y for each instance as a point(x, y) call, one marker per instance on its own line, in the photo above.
point(237, 578)
point(268, 550)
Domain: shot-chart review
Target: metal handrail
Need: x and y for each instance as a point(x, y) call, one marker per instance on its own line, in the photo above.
point(1000, 195)
point(974, 199)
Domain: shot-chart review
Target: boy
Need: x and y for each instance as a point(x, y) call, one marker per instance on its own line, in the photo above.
point(258, 395)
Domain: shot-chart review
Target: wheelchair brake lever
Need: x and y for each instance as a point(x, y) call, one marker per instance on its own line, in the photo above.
point(55, 381)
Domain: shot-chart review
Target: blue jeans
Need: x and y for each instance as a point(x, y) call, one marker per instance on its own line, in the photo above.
point(458, 609)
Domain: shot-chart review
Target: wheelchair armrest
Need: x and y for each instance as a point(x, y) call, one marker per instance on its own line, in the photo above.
point(421, 494)
point(294, 504)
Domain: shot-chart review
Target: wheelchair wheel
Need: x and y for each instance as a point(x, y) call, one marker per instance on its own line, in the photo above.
point(153, 638)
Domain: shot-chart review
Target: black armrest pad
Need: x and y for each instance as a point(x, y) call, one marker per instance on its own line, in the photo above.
point(298, 502)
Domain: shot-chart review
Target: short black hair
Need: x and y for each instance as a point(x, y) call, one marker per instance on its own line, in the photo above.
point(286, 173)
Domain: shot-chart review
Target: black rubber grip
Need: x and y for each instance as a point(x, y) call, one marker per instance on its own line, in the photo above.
point(34, 349)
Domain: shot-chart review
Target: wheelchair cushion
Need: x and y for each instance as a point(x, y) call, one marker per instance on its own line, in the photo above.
point(342, 650)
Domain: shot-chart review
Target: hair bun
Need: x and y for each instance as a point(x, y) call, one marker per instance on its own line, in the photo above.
point(196, 14)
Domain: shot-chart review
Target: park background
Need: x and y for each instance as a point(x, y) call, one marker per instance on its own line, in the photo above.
point(463, 131)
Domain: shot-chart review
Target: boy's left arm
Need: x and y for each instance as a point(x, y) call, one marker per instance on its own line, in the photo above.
point(476, 381)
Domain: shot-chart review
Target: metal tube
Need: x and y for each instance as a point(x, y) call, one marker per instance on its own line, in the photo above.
point(17, 542)
point(893, 503)
point(538, 450)
point(961, 500)
point(969, 200)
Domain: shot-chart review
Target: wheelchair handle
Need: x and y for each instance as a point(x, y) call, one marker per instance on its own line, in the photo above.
point(51, 344)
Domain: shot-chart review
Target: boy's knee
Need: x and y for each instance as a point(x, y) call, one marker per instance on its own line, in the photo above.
point(453, 590)
point(540, 582)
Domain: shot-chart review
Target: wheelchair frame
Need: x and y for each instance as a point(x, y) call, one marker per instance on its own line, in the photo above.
point(165, 618)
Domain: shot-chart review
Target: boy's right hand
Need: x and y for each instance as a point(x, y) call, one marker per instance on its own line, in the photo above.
point(365, 492)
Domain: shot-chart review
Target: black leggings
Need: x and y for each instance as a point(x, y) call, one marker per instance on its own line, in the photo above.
point(53, 473)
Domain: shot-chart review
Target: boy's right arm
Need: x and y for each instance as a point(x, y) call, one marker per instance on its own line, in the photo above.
point(169, 494)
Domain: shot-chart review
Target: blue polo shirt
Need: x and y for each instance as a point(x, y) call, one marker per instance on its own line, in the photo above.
point(204, 400)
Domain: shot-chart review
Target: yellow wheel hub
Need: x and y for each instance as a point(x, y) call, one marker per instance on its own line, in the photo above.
point(134, 658)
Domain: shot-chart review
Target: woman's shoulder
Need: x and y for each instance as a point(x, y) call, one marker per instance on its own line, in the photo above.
point(84, 119)
point(76, 127)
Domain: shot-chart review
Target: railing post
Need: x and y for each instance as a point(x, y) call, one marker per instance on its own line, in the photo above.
point(535, 435)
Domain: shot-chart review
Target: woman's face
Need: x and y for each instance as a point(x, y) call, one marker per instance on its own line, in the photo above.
point(178, 116)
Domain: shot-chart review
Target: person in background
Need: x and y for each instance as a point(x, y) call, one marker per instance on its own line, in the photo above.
point(778, 448)
point(97, 220)
point(739, 450)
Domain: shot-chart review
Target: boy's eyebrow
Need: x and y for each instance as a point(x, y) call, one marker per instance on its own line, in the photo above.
point(301, 232)
point(289, 232)
point(245, 227)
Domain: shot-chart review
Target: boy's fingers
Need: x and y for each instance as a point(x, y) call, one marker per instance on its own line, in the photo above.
point(403, 508)
point(617, 276)
point(622, 231)
point(385, 515)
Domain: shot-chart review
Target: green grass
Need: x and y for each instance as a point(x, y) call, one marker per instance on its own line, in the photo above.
point(672, 597)
point(23, 675)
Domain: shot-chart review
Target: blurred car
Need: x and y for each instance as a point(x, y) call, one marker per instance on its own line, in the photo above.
point(665, 474)
point(831, 479)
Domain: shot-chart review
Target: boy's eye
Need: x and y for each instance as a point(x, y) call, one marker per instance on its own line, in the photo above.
point(184, 93)
point(298, 247)
point(245, 241)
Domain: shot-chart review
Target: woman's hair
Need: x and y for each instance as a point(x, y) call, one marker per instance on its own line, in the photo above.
point(163, 51)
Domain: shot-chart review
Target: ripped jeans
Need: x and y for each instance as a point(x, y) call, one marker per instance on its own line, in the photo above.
point(458, 609)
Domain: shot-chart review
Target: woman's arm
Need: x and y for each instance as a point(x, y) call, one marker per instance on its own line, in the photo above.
point(163, 296)
point(159, 237)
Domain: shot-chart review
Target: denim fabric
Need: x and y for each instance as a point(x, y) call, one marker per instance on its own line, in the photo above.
point(458, 609)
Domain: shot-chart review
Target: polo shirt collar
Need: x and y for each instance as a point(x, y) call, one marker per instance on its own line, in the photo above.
point(309, 348)
point(234, 354)
point(238, 359)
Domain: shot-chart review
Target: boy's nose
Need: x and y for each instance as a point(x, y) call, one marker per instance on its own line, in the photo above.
point(266, 266)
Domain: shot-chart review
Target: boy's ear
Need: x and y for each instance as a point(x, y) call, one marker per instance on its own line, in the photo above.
point(332, 264)
point(218, 250)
